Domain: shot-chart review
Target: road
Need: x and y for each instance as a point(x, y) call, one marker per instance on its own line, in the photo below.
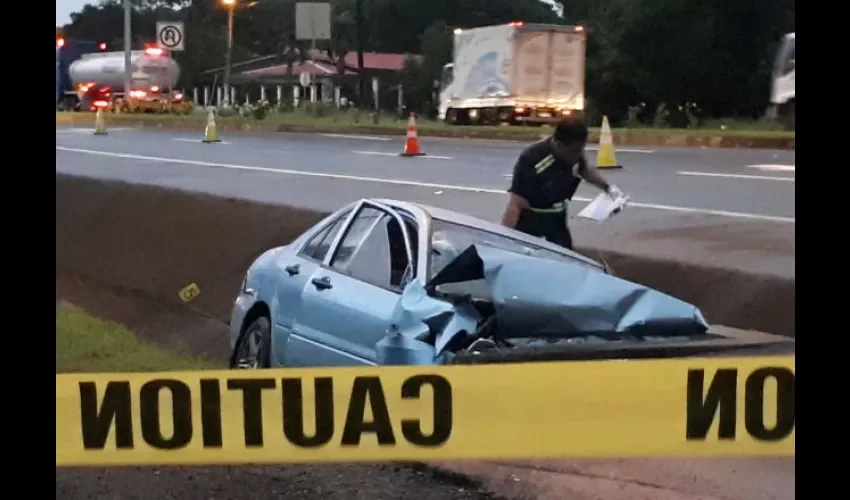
point(704, 205)
point(730, 207)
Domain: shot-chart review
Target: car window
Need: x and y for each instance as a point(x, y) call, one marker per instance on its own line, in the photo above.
point(318, 246)
point(373, 250)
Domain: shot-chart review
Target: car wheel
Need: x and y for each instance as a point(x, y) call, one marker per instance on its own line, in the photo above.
point(253, 350)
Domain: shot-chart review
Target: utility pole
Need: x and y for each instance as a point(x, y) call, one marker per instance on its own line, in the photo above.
point(361, 80)
point(231, 6)
point(128, 61)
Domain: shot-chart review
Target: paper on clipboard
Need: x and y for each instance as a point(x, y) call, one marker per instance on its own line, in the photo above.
point(603, 207)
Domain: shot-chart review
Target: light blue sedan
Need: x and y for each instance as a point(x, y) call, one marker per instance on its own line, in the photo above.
point(386, 282)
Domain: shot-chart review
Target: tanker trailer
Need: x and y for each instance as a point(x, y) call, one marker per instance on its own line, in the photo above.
point(99, 77)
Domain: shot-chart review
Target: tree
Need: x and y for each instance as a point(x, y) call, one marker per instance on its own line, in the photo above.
point(718, 54)
point(721, 51)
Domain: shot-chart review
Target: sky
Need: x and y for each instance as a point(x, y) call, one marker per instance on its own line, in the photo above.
point(64, 9)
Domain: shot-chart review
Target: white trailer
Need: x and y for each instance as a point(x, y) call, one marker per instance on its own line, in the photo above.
point(514, 73)
point(782, 91)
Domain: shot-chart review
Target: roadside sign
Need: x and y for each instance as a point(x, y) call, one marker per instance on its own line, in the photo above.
point(169, 35)
point(313, 20)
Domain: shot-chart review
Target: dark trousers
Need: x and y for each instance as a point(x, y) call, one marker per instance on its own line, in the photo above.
point(563, 238)
point(552, 227)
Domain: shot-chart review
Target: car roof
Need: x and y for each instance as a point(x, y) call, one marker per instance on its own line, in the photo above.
point(490, 227)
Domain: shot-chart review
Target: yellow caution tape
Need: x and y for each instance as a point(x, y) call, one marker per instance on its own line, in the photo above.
point(684, 407)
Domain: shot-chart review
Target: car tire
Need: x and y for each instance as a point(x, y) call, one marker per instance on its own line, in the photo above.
point(260, 330)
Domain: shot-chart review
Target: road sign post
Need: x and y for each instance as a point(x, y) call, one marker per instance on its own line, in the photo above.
point(170, 35)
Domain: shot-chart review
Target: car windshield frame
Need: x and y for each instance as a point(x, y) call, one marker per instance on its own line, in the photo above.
point(479, 236)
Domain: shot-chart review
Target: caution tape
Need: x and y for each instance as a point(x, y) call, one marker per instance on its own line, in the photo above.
point(684, 407)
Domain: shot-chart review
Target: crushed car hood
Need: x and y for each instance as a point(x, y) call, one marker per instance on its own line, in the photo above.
point(541, 297)
point(532, 297)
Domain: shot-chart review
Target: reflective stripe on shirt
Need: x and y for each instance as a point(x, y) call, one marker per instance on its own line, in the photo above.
point(557, 207)
point(543, 164)
point(541, 167)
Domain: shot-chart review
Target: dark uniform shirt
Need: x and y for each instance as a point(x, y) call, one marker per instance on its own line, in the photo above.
point(548, 184)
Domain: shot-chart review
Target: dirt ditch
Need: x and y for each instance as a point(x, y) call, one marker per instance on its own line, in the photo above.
point(123, 252)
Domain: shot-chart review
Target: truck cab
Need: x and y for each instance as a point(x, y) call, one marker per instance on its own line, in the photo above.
point(783, 82)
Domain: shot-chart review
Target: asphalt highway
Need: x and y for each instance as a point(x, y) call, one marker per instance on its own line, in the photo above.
point(730, 207)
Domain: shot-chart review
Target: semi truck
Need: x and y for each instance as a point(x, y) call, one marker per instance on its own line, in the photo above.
point(782, 90)
point(514, 73)
point(88, 76)
point(68, 51)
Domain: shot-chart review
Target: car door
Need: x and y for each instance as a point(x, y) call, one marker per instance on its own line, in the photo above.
point(294, 272)
point(347, 304)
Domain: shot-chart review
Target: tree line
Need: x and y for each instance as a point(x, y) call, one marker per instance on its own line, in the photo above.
point(711, 58)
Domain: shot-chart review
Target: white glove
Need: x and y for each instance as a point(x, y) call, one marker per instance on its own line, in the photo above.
point(618, 197)
point(614, 192)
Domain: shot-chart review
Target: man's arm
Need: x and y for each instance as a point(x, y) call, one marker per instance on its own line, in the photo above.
point(520, 192)
point(592, 175)
point(516, 204)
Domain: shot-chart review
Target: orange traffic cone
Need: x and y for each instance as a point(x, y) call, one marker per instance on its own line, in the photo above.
point(411, 145)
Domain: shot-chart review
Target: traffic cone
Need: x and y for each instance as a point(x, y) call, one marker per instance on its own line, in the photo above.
point(210, 131)
point(411, 145)
point(99, 123)
point(605, 158)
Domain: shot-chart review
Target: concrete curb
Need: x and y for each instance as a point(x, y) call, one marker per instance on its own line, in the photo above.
point(680, 140)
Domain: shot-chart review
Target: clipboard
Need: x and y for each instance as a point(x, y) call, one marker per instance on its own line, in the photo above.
point(603, 207)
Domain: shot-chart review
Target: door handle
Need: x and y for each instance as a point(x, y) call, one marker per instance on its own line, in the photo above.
point(322, 283)
point(293, 269)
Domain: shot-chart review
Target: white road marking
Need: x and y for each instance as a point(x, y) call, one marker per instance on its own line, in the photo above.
point(738, 176)
point(403, 182)
point(775, 168)
point(355, 136)
point(183, 139)
point(81, 130)
point(622, 150)
point(384, 153)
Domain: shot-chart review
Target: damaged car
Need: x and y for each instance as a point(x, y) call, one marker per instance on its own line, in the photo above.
point(386, 282)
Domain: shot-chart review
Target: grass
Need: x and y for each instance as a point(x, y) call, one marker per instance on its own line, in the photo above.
point(353, 118)
point(88, 344)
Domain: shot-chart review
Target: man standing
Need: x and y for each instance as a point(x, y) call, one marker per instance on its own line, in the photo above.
point(546, 177)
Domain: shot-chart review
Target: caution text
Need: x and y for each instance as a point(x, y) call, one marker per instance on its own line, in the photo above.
point(115, 406)
point(722, 401)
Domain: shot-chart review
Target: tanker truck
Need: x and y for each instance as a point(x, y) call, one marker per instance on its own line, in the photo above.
point(94, 79)
point(514, 73)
